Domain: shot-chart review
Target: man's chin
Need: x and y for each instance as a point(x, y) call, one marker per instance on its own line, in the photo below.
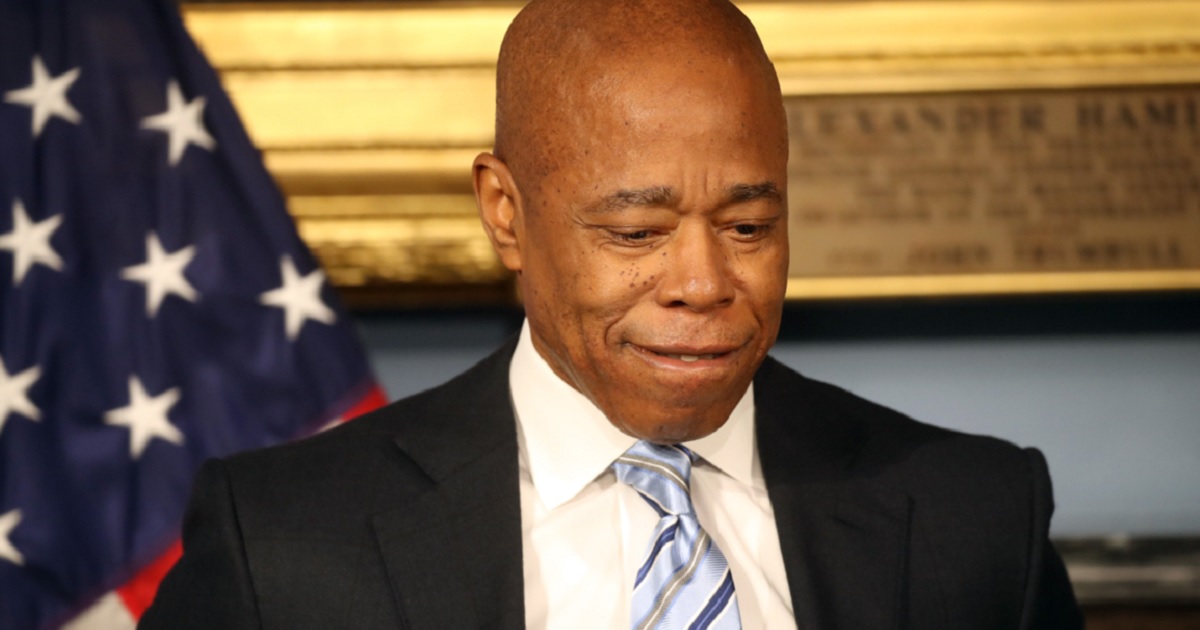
point(673, 425)
point(671, 406)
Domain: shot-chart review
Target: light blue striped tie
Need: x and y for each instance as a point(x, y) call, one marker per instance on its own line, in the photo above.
point(685, 580)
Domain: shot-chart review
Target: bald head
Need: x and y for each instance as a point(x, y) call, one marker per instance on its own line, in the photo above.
point(563, 58)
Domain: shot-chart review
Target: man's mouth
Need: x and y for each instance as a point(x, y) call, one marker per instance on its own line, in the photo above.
point(699, 354)
point(688, 358)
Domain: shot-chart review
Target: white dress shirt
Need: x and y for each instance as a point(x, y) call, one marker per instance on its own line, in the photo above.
point(584, 533)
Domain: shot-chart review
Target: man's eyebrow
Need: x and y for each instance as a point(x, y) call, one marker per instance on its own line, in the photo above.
point(665, 196)
point(741, 193)
point(635, 197)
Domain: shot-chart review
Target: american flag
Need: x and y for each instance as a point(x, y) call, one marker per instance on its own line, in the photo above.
point(157, 306)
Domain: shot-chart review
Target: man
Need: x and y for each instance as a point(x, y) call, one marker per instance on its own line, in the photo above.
point(634, 459)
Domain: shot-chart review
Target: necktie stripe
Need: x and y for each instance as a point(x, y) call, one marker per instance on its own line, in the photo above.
point(667, 536)
point(658, 467)
point(663, 511)
point(717, 604)
point(667, 596)
point(684, 581)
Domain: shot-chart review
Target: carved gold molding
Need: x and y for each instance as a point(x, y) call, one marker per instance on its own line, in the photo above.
point(369, 114)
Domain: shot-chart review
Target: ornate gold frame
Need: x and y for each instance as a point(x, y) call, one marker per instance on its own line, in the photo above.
point(369, 114)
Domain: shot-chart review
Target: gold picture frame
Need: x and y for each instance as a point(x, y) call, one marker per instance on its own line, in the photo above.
point(369, 115)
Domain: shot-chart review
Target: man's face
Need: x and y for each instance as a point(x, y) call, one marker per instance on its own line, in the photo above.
point(654, 251)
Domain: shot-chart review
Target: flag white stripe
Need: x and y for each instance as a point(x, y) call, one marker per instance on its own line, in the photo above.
point(108, 613)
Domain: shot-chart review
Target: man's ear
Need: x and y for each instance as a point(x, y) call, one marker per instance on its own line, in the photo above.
point(498, 199)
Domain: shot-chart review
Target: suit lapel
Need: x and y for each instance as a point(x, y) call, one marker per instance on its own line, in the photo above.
point(453, 550)
point(843, 535)
point(845, 556)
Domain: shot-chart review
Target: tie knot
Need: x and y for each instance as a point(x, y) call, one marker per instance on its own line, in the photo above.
point(661, 474)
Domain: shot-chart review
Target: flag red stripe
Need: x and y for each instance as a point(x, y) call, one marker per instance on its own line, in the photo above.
point(372, 401)
point(139, 592)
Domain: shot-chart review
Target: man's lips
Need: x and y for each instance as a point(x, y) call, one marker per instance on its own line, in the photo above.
point(689, 358)
point(688, 353)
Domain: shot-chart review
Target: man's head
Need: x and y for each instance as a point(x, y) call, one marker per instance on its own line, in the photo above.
point(638, 188)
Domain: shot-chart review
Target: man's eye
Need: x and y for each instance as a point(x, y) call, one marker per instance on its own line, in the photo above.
point(749, 229)
point(637, 235)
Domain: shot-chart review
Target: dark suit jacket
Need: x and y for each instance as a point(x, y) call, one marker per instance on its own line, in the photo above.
point(410, 518)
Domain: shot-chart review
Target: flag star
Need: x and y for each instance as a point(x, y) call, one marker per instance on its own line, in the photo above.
point(47, 96)
point(162, 273)
point(14, 393)
point(183, 122)
point(8, 522)
point(30, 242)
point(300, 298)
point(146, 417)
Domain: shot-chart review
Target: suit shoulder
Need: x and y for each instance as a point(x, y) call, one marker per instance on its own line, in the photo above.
point(365, 436)
point(360, 466)
point(886, 439)
point(294, 486)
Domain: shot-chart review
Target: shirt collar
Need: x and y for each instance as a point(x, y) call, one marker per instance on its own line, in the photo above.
point(567, 441)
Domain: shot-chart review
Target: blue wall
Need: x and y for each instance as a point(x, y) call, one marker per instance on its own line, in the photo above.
point(1116, 413)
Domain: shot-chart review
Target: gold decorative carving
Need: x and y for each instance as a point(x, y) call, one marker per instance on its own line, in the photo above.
point(397, 239)
point(369, 114)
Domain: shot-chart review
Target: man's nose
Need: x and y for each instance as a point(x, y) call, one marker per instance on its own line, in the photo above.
point(696, 271)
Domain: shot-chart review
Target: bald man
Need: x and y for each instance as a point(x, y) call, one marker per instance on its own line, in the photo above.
point(633, 458)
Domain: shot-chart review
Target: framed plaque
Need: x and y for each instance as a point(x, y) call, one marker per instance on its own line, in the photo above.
point(1002, 191)
point(938, 148)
